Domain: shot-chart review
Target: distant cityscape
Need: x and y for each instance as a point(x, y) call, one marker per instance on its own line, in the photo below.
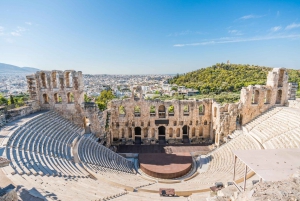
point(121, 85)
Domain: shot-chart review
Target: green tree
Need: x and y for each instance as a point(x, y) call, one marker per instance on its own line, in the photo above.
point(104, 98)
point(12, 101)
point(3, 100)
point(86, 98)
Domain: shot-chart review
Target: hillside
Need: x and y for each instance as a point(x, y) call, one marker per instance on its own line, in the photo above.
point(11, 69)
point(227, 77)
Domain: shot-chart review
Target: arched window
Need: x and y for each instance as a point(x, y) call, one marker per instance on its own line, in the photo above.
point(255, 97)
point(171, 132)
point(45, 98)
point(186, 110)
point(129, 133)
point(279, 96)
point(205, 122)
point(178, 132)
point(145, 132)
point(162, 111)
point(68, 79)
point(201, 110)
point(54, 79)
point(43, 78)
point(171, 110)
point(70, 97)
point(193, 132)
point(152, 110)
point(201, 131)
point(137, 111)
point(268, 97)
point(122, 111)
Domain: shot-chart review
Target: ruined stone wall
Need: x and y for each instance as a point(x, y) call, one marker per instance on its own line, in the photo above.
point(186, 113)
point(61, 91)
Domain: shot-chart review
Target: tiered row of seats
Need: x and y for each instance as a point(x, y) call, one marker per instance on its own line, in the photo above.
point(67, 189)
point(106, 164)
point(42, 146)
point(277, 128)
point(220, 168)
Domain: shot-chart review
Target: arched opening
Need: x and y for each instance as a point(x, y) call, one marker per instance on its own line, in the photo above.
point(171, 110)
point(121, 111)
point(45, 99)
point(215, 111)
point(205, 122)
point(68, 79)
point(170, 132)
point(162, 134)
point(145, 132)
point(152, 111)
point(255, 97)
point(43, 78)
point(200, 131)
point(162, 111)
point(280, 79)
point(129, 133)
point(122, 133)
point(70, 97)
point(185, 134)
point(268, 97)
point(137, 111)
point(56, 98)
point(178, 132)
point(152, 133)
point(137, 135)
point(279, 96)
point(86, 125)
point(186, 110)
point(193, 132)
point(239, 122)
point(201, 110)
point(54, 79)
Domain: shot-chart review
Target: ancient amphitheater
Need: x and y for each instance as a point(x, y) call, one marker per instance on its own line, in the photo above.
point(60, 148)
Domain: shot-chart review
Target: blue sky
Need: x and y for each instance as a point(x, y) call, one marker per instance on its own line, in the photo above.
point(148, 36)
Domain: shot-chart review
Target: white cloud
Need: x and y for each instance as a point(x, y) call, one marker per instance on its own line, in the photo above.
point(292, 26)
point(28, 23)
point(277, 28)
point(235, 32)
point(238, 40)
point(18, 31)
point(246, 17)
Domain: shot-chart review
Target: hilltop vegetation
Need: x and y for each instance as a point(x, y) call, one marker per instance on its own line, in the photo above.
point(227, 78)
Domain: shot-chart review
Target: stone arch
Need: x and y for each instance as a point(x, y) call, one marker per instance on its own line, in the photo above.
point(70, 97)
point(280, 79)
point(201, 109)
point(56, 97)
point(178, 132)
point(153, 133)
point(255, 97)
point(279, 96)
point(268, 97)
point(152, 110)
point(205, 122)
point(215, 111)
point(162, 111)
point(122, 133)
point(54, 79)
point(137, 135)
point(239, 121)
point(145, 131)
point(185, 130)
point(68, 79)
point(170, 132)
point(45, 99)
point(200, 131)
point(137, 111)
point(129, 132)
point(43, 78)
point(171, 110)
point(137, 131)
point(193, 132)
point(162, 134)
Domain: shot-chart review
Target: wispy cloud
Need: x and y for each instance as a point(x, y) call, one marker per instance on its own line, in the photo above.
point(187, 32)
point(28, 23)
point(235, 32)
point(292, 26)
point(277, 28)
point(238, 40)
point(246, 17)
point(18, 31)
